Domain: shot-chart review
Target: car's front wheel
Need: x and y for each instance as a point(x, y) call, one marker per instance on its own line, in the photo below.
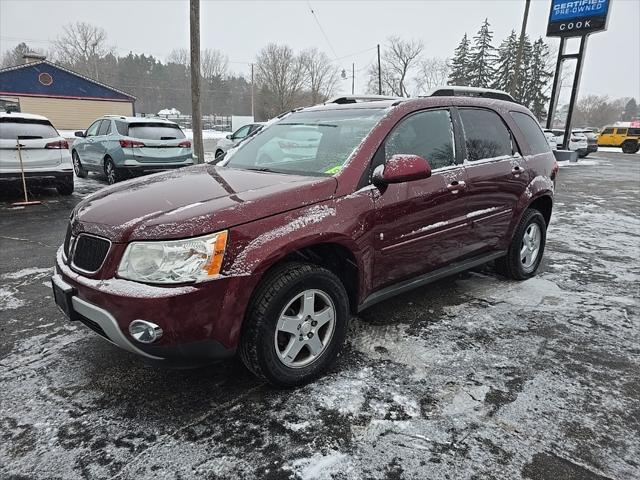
point(77, 166)
point(295, 325)
point(526, 249)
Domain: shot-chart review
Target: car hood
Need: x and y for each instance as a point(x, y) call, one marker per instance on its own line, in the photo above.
point(194, 201)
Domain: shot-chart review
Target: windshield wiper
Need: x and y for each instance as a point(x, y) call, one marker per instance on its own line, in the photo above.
point(262, 169)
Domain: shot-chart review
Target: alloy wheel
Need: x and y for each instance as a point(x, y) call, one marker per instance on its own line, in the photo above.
point(530, 246)
point(305, 328)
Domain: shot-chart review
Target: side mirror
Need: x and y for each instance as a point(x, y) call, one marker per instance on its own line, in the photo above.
point(229, 137)
point(401, 168)
point(80, 134)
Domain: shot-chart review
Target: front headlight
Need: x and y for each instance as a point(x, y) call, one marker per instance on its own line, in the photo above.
point(174, 261)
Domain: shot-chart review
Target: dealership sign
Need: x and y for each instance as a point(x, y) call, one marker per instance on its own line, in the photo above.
point(578, 17)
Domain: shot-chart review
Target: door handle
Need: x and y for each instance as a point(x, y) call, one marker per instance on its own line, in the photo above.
point(516, 170)
point(456, 186)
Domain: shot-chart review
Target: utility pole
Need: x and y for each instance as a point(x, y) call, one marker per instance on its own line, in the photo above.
point(353, 78)
point(196, 112)
point(523, 32)
point(379, 73)
point(252, 95)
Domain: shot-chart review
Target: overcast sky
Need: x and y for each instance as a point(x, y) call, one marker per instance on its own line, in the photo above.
point(353, 28)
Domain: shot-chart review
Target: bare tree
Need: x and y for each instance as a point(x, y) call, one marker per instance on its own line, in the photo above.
point(399, 59)
point(433, 72)
point(81, 46)
point(213, 64)
point(179, 56)
point(320, 74)
point(15, 56)
point(598, 111)
point(280, 76)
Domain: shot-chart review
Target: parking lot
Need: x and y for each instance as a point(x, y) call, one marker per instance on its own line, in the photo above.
point(474, 377)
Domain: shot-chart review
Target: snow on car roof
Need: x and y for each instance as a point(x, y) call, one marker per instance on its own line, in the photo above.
point(26, 116)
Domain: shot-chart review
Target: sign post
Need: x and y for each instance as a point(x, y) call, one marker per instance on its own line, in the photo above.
point(573, 18)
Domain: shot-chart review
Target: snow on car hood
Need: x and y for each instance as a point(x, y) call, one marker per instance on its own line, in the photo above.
point(194, 201)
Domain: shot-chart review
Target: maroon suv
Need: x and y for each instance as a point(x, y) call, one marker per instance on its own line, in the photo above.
point(326, 212)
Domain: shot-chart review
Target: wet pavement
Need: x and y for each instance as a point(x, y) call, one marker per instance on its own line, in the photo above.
point(474, 377)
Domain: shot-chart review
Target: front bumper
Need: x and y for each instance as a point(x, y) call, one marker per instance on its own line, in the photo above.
point(198, 327)
point(592, 147)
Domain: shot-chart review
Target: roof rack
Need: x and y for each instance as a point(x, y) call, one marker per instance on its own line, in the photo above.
point(360, 98)
point(454, 91)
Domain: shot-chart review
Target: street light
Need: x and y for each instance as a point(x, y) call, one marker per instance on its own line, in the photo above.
point(344, 76)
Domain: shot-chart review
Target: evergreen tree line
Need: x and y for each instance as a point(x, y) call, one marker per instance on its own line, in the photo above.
point(478, 63)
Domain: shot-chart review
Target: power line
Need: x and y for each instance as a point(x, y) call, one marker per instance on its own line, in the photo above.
point(322, 31)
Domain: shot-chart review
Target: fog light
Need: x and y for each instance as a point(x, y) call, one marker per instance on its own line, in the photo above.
point(145, 332)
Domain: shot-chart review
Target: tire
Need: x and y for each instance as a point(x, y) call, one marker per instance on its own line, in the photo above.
point(513, 265)
point(65, 187)
point(266, 337)
point(629, 147)
point(77, 166)
point(113, 174)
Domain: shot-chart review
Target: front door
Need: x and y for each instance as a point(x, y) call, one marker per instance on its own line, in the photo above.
point(86, 150)
point(420, 225)
point(497, 176)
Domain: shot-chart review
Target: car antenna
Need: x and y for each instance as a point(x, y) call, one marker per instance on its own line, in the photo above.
point(24, 182)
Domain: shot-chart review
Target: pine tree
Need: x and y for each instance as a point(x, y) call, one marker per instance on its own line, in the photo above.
point(630, 111)
point(539, 76)
point(506, 62)
point(460, 64)
point(522, 92)
point(482, 58)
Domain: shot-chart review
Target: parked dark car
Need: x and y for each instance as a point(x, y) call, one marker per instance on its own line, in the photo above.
point(270, 260)
point(592, 140)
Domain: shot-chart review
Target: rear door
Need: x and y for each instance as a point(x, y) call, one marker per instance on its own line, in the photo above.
point(420, 225)
point(496, 176)
point(620, 136)
point(38, 142)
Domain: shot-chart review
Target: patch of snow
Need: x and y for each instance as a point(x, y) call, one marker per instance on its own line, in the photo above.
point(319, 466)
point(433, 226)
point(28, 272)
point(477, 213)
point(8, 300)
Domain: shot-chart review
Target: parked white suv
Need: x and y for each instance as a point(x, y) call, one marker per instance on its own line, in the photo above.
point(577, 141)
point(233, 139)
point(45, 154)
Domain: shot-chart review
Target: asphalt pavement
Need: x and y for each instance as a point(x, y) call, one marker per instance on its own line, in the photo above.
point(475, 377)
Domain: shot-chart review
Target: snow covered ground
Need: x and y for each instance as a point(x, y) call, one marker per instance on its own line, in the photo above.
point(474, 377)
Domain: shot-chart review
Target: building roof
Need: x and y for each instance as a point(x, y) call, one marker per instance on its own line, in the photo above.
point(28, 80)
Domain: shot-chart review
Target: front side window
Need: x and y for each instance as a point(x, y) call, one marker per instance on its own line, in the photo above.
point(105, 127)
point(241, 132)
point(607, 131)
point(155, 131)
point(532, 132)
point(307, 142)
point(92, 131)
point(621, 131)
point(428, 134)
point(486, 135)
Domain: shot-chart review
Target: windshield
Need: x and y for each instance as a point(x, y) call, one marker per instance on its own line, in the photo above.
point(307, 143)
point(155, 131)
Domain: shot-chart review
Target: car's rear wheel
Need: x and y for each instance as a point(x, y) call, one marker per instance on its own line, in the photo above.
point(65, 187)
point(629, 146)
point(526, 249)
point(77, 166)
point(113, 174)
point(295, 325)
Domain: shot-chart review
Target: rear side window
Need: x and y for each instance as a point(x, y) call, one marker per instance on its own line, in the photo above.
point(105, 127)
point(12, 128)
point(428, 134)
point(121, 127)
point(621, 131)
point(155, 131)
point(486, 135)
point(607, 131)
point(532, 132)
